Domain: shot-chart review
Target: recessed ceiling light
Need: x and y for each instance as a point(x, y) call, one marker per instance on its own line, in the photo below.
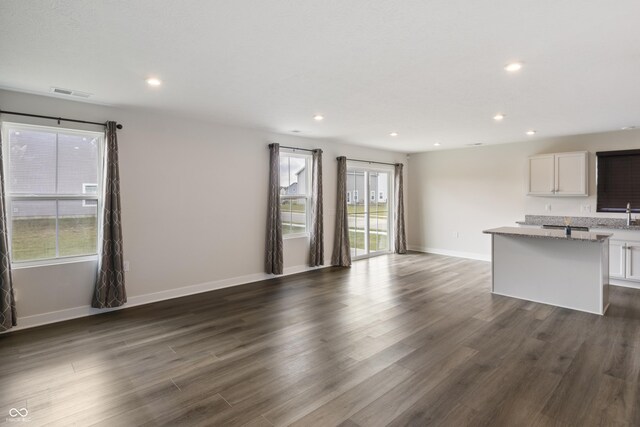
point(624, 128)
point(437, 144)
point(318, 117)
point(17, 133)
point(531, 132)
point(76, 148)
point(153, 81)
point(498, 117)
point(393, 134)
point(513, 67)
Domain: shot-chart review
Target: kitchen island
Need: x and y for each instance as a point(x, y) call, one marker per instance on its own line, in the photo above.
point(550, 267)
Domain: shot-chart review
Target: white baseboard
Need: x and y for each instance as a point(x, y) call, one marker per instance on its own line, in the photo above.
point(447, 252)
point(83, 311)
point(624, 283)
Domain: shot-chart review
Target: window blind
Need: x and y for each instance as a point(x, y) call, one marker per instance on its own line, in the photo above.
point(618, 180)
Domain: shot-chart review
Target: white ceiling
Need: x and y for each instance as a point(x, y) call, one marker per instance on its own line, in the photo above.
point(430, 70)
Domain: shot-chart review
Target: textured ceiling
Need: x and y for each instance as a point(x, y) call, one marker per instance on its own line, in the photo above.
point(430, 70)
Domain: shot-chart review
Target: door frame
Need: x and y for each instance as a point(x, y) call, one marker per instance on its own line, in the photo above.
point(367, 168)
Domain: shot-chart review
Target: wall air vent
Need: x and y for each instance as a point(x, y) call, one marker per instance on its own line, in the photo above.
point(69, 92)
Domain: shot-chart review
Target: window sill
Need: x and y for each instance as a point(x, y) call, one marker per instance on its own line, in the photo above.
point(296, 236)
point(56, 261)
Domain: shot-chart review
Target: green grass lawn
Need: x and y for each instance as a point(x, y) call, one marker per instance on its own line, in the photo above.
point(298, 207)
point(36, 238)
point(293, 204)
point(380, 210)
point(378, 241)
point(291, 229)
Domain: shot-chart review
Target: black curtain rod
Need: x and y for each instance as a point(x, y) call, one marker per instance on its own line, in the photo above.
point(296, 148)
point(59, 119)
point(369, 161)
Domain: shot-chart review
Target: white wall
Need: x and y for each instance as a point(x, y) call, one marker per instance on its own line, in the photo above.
point(465, 191)
point(168, 166)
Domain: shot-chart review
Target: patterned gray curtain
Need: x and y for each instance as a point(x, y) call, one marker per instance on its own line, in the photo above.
point(110, 291)
point(341, 249)
point(274, 258)
point(401, 236)
point(8, 315)
point(317, 232)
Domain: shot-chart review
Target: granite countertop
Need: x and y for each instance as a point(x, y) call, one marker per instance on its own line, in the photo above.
point(580, 221)
point(583, 236)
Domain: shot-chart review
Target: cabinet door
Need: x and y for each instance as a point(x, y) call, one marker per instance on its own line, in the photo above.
point(541, 170)
point(617, 258)
point(633, 261)
point(571, 174)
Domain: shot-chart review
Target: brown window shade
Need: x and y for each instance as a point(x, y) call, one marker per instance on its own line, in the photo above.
point(618, 180)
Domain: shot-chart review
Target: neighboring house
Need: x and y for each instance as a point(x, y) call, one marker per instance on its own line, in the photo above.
point(378, 188)
point(293, 189)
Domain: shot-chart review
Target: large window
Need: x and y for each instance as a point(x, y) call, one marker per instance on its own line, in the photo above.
point(294, 193)
point(53, 195)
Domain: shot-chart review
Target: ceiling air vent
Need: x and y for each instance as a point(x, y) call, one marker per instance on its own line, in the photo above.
point(476, 144)
point(69, 92)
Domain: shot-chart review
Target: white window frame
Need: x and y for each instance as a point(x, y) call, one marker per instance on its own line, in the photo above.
point(7, 127)
point(306, 196)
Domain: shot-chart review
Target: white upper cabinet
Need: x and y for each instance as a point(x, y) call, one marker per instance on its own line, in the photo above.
point(541, 173)
point(571, 174)
point(560, 174)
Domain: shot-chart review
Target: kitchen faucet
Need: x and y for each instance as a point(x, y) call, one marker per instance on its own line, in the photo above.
point(629, 221)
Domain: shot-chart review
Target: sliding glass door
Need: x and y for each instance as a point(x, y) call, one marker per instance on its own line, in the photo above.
point(368, 206)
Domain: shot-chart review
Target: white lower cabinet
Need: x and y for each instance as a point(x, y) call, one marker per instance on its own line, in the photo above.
point(624, 260)
point(617, 259)
point(633, 261)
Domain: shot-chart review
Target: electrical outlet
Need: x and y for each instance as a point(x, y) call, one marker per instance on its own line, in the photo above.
point(456, 234)
point(126, 265)
point(547, 207)
point(586, 208)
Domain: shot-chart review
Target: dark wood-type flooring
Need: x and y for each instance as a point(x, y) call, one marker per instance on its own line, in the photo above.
point(395, 340)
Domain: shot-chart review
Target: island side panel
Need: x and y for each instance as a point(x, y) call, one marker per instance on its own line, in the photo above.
point(493, 257)
point(565, 273)
point(605, 276)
